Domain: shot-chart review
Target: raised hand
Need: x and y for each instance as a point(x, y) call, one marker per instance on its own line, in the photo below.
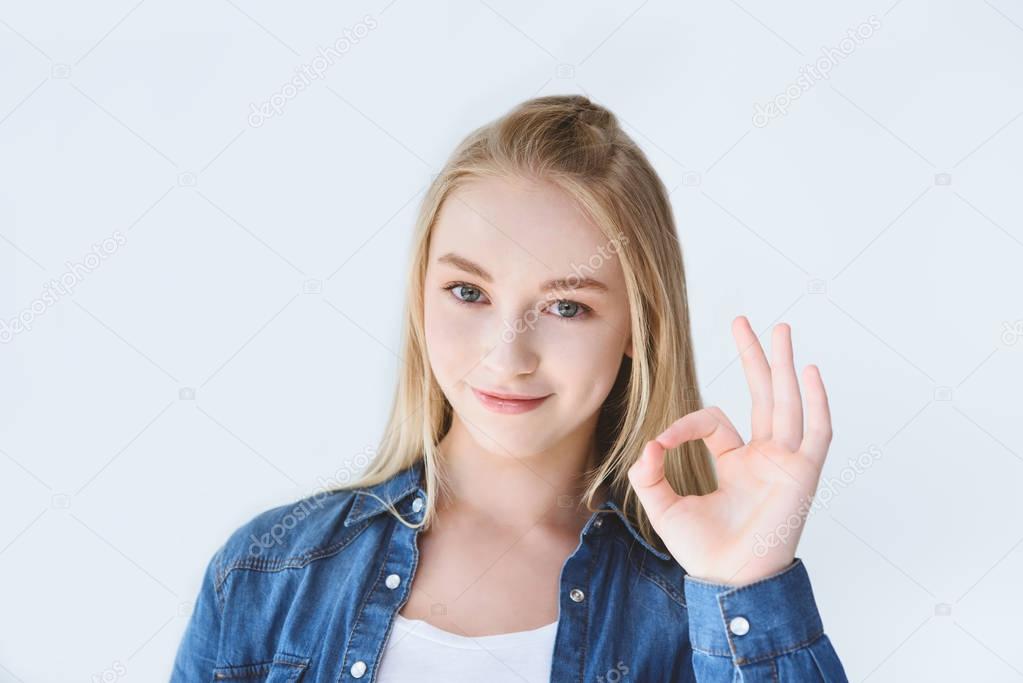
point(749, 527)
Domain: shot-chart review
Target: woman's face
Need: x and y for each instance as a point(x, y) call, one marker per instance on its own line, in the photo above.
point(497, 322)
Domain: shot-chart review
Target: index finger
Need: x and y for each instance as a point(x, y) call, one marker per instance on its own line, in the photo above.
point(709, 424)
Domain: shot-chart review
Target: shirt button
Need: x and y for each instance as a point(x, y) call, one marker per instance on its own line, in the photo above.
point(359, 669)
point(739, 626)
point(417, 505)
point(598, 522)
point(576, 595)
point(392, 581)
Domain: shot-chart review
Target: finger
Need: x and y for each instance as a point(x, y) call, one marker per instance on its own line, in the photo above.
point(648, 481)
point(787, 427)
point(758, 377)
point(709, 424)
point(818, 416)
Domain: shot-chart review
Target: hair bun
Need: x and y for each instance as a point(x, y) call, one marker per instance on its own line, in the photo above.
point(591, 113)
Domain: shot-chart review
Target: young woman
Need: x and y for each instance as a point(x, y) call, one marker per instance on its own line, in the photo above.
point(550, 500)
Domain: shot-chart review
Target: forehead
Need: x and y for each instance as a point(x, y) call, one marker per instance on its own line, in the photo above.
point(519, 227)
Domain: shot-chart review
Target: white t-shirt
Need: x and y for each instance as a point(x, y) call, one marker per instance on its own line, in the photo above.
point(418, 651)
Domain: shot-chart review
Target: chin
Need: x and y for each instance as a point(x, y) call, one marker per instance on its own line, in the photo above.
point(504, 439)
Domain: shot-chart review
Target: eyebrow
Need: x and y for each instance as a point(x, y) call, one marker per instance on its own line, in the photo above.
point(476, 269)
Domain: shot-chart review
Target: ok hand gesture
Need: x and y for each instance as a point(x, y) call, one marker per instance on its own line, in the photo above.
point(765, 487)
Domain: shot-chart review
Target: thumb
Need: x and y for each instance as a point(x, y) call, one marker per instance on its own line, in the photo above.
point(648, 481)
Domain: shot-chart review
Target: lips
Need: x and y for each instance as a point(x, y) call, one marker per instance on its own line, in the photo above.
point(510, 397)
point(508, 403)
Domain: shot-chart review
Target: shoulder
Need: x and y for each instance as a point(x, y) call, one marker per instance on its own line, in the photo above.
point(290, 535)
point(314, 527)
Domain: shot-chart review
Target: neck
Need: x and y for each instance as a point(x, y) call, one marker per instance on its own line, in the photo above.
point(546, 485)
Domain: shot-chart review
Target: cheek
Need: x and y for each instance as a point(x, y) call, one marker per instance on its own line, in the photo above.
point(450, 340)
point(585, 362)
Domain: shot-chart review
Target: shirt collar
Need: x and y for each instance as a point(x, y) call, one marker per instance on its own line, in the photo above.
point(370, 501)
point(615, 505)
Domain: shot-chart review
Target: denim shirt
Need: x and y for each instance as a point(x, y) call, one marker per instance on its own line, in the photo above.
point(307, 592)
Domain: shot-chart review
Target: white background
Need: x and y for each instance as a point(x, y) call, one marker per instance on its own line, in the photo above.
point(263, 269)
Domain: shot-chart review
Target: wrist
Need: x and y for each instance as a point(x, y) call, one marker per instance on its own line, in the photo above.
point(749, 573)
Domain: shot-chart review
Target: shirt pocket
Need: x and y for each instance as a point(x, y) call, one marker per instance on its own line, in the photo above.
point(284, 668)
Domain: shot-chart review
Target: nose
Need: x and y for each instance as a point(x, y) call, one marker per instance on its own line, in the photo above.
point(511, 351)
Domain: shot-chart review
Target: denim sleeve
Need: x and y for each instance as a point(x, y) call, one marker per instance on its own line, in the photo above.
point(769, 630)
point(197, 652)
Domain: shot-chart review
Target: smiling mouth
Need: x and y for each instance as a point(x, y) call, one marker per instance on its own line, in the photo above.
point(508, 403)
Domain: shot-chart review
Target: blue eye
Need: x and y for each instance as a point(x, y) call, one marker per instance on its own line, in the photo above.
point(463, 286)
point(570, 305)
point(567, 310)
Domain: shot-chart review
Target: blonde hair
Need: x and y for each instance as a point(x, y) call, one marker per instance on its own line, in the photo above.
point(579, 146)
